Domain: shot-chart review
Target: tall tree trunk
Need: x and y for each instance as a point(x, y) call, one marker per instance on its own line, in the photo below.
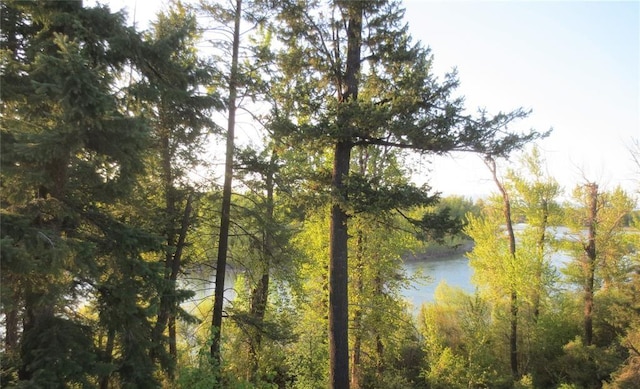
point(260, 294)
point(590, 263)
point(173, 263)
point(173, 341)
point(338, 255)
point(379, 357)
point(506, 210)
point(108, 352)
point(170, 231)
point(358, 284)
point(338, 275)
point(223, 241)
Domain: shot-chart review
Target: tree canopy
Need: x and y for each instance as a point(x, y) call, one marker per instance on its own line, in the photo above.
point(124, 248)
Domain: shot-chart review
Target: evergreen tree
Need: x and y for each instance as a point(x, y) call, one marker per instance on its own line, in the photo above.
point(361, 81)
point(70, 154)
point(171, 95)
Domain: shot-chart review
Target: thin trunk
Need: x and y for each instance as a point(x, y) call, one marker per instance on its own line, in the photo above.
point(338, 261)
point(169, 214)
point(260, 294)
point(173, 345)
point(542, 240)
point(590, 265)
point(173, 262)
point(379, 357)
point(108, 351)
point(223, 242)
point(12, 320)
point(358, 284)
point(513, 336)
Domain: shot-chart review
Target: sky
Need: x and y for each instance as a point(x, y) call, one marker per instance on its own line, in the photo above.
point(575, 65)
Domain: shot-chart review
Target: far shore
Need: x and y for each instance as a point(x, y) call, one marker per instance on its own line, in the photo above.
point(438, 252)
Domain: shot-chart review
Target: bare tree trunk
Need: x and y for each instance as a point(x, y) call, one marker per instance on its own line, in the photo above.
point(338, 276)
point(356, 366)
point(513, 336)
point(338, 255)
point(590, 263)
point(223, 242)
point(108, 351)
point(260, 294)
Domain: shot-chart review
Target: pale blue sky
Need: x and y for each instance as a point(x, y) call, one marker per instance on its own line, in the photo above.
point(575, 64)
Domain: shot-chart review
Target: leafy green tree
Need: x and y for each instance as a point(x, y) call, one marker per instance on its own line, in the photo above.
point(516, 263)
point(598, 244)
point(361, 81)
point(535, 201)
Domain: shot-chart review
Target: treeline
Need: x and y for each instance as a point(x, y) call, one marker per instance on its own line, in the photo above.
point(556, 301)
point(114, 224)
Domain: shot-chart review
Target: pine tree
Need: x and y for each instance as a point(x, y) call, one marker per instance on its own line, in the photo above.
point(70, 154)
point(170, 95)
point(361, 81)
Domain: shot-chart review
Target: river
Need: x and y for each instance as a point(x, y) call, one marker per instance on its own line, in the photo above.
point(453, 270)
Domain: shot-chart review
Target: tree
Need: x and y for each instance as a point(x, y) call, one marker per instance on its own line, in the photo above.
point(233, 84)
point(507, 262)
point(506, 211)
point(597, 244)
point(260, 237)
point(361, 81)
point(70, 154)
point(170, 96)
point(536, 203)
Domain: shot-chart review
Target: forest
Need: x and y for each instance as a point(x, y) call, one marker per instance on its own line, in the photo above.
point(119, 229)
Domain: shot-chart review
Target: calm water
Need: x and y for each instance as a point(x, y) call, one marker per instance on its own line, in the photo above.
point(455, 271)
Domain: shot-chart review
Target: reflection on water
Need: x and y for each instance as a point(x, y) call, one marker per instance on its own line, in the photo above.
point(454, 270)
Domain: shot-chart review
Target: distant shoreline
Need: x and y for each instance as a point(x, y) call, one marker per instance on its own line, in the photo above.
point(438, 252)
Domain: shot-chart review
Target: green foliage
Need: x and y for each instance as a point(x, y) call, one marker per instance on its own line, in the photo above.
point(60, 353)
point(587, 366)
point(459, 342)
point(198, 374)
point(71, 153)
point(101, 129)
